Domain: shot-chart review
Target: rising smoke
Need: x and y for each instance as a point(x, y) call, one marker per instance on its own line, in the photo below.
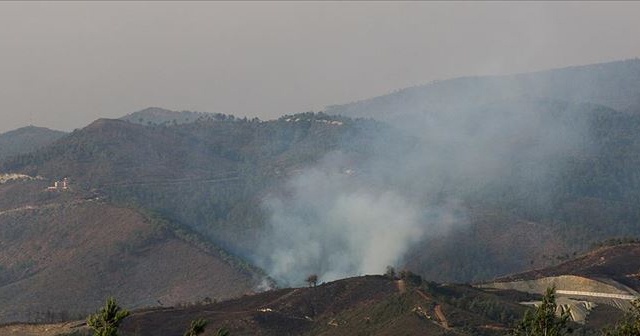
point(336, 228)
point(336, 223)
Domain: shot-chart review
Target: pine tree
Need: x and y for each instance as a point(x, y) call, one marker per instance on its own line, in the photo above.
point(223, 332)
point(108, 319)
point(196, 328)
point(543, 321)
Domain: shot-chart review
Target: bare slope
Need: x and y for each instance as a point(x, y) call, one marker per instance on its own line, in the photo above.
point(605, 276)
point(63, 254)
point(370, 305)
point(619, 262)
point(377, 305)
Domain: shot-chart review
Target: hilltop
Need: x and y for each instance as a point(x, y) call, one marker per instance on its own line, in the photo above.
point(159, 116)
point(26, 139)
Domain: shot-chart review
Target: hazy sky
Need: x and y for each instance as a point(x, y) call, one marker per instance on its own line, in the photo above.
point(65, 64)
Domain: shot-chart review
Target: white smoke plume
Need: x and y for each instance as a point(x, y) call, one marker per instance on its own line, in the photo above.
point(331, 224)
point(335, 224)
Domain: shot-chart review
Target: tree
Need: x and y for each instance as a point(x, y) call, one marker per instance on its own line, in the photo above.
point(312, 280)
point(223, 332)
point(410, 277)
point(106, 321)
point(544, 321)
point(390, 272)
point(196, 328)
point(630, 325)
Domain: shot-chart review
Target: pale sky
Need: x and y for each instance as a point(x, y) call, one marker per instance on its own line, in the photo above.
point(65, 64)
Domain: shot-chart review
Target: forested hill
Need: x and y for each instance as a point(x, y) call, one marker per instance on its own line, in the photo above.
point(210, 175)
point(26, 139)
point(112, 151)
point(159, 116)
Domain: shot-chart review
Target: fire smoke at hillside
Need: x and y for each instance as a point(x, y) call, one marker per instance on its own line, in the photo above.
point(332, 225)
point(335, 225)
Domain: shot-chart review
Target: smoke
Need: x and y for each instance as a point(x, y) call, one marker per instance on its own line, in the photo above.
point(334, 222)
point(340, 218)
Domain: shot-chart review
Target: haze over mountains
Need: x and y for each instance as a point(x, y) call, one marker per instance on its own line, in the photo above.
point(460, 180)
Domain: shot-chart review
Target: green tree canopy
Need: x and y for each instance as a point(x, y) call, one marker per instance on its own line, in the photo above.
point(630, 325)
point(543, 321)
point(108, 319)
point(196, 328)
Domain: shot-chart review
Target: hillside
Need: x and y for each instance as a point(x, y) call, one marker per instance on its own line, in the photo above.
point(620, 262)
point(371, 305)
point(63, 253)
point(210, 176)
point(405, 304)
point(26, 139)
point(606, 277)
point(481, 184)
point(530, 202)
point(539, 165)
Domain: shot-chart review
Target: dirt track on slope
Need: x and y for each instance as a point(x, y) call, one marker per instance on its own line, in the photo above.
point(40, 329)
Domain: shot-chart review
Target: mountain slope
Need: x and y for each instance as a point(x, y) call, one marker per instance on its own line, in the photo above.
point(620, 262)
point(382, 305)
point(371, 305)
point(517, 178)
point(208, 175)
point(515, 194)
point(63, 253)
point(26, 139)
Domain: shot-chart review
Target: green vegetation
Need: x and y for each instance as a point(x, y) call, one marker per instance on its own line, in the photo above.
point(543, 321)
point(197, 327)
point(630, 325)
point(223, 332)
point(108, 319)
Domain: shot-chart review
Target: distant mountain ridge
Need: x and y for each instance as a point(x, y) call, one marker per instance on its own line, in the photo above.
point(160, 116)
point(614, 84)
point(26, 139)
